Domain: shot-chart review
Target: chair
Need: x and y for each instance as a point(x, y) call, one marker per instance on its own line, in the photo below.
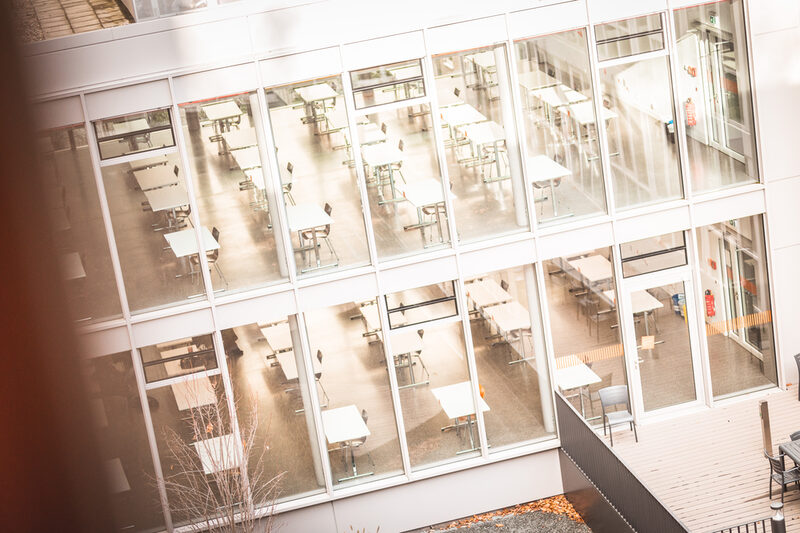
point(797, 361)
point(358, 443)
point(780, 475)
point(795, 436)
point(611, 397)
point(596, 314)
point(504, 285)
point(211, 256)
point(318, 377)
point(322, 232)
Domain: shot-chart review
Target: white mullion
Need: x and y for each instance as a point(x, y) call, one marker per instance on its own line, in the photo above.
point(748, 45)
point(280, 220)
point(550, 351)
point(679, 125)
point(521, 129)
point(436, 125)
point(776, 328)
point(383, 315)
point(308, 375)
point(189, 182)
point(693, 258)
point(135, 357)
point(361, 180)
point(599, 123)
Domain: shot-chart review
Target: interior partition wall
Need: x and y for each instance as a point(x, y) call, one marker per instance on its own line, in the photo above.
point(296, 241)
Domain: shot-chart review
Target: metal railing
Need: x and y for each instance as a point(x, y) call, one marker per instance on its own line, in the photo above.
point(754, 526)
point(630, 497)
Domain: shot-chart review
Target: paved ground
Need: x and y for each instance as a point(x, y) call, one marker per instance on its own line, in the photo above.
point(37, 20)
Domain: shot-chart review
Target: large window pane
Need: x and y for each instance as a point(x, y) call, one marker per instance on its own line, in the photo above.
point(473, 89)
point(406, 195)
point(562, 147)
point(119, 425)
point(135, 133)
point(224, 139)
point(387, 83)
point(357, 410)
point(273, 404)
point(714, 92)
point(322, 200)
point(653, 254)
point(641, 136)
point(623, 38)
point(581, 295)
point(77, 224)
point(734, 281)
point(429, 358)
point(156, 241)
point(511, 357)
point(178, 358)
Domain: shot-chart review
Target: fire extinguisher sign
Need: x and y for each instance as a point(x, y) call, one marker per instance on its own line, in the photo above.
point(710, 305)
point(691, 113)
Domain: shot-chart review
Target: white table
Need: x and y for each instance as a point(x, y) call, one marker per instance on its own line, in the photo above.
point(407, 344)
point(148, 162)
point(218, 453)
point(424, 193)
point(483, 134)
point(543, 169)
point(184, 242)
point(222, 114)
point(193, 393)
point(370, 133)
point(536, 79)
point(288, 364)
point(155, 177)
point(278, 336)
point(342, 426)
point(456, 402)
point(71, 266)
point(314, 97)
point(594, 268)
point(372, 321)
point(456, 116)
point(240, 139)
point(583, 113)
point(510, 317)
point(642, 302)
point(485, 66)
point(115, 476)
point(247, 158)
point(486, 292)
point(167, 198)
point(571, 373)
point(308, 216)
point(379, 157)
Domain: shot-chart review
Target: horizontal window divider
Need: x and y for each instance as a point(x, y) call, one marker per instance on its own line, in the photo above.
point(179, 379)
point(655, 253)
point(385, 84)
point(130, 158)
point(165, 312)
point(118, 136)
point(632, 58)
point(654, 207)
point(95, 327)
point(631, 36)
point(392, 106)
point(177, 357)
point(250, 294)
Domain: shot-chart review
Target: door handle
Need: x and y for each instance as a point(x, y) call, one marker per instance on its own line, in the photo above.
point(640, 360)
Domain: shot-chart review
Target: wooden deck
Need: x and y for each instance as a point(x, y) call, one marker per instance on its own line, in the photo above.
point(708, 468)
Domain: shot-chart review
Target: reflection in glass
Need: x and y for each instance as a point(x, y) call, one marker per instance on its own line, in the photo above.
point(272, 400)
point(404, 185)
point(738, 312)
point(623, 38)
point(134, 133)
point(510, 356)
point(714, 92)
point(641, 134)
point(653, 253)
point(156, 242)
point(161, 8)
point(474, 94)
point(357, 411)
point(120, 429)
point(233, 192)
point(429, 357)
point(321, 195)
point(562, 146)
point(581, 296)
point(178, 358)
point(77, 224)
point(388, 83)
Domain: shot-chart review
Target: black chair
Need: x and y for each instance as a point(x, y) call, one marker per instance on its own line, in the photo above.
point(795, 436)
point(211, 258)
point(611, 397)
point(358, 443)
point(318, 377)
point(797, 361)
point(780, 475)
point(322, 232)
point(504, 285)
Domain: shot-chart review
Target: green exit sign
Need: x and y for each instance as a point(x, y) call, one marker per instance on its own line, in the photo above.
point(713, 19)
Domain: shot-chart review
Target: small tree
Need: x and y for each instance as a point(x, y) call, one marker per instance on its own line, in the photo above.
point(215, 484)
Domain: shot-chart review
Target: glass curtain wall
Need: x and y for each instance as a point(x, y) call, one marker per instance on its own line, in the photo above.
point(401, 167)
point(320, 188)
point(77, 224)
point(714, 93)
point(584, 321)
point(555, 88)
point(429, 356)
point(353, 386)
point(154, 233)
point(235, 196)
point(488, 189)
point(737, 305)
point(639, 118)
point(510, 356)
point(273, 406)
point(120, 429)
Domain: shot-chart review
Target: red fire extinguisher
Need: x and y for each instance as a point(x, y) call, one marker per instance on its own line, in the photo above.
point(691, 113)
point(711, 306)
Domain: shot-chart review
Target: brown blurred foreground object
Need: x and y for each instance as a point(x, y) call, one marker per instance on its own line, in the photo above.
point(52, 478)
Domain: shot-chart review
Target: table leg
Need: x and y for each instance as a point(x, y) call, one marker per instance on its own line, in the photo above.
point(316, 246)
point(580, 397)
point(553, 197)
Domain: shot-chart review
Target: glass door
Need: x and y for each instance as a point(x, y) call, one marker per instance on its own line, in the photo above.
point(661, 338)
point(726, 116)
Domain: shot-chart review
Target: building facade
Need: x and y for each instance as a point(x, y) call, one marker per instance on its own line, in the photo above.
point(388, 232)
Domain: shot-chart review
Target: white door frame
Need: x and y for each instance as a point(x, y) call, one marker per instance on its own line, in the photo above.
point(630, 342)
